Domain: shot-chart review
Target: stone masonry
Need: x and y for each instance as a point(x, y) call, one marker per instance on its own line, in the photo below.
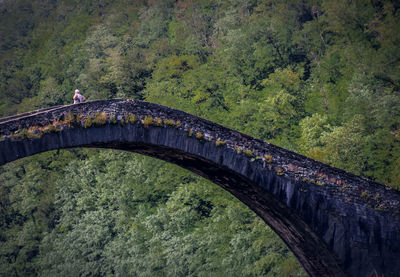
point(336, 223)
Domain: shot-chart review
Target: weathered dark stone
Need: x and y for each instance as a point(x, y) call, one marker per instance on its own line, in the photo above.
point(336, 223)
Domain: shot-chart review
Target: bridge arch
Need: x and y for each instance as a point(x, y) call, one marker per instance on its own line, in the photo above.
point(334, 222)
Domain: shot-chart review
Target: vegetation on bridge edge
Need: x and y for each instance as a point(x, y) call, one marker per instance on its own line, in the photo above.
point(321, 78)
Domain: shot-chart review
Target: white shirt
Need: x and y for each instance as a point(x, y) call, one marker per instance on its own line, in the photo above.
point(78, 98)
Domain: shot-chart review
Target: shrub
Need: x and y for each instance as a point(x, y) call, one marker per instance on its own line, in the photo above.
point(79, 119)
point(178, 123)
point(148, 121)
point(248, 153)
point(113, 120)
point(23, 134)
point(169, 122)
point(220, 142)
point(100, 119)
point(279, 171)
point(199, 136)
point(88, 122)
point(131, 118)
point(50, 129)
point(158, 122)
point(70, 119)
point(268, 158)
point(34, 132)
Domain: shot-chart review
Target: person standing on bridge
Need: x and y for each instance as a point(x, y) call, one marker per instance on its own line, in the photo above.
point(78, 97)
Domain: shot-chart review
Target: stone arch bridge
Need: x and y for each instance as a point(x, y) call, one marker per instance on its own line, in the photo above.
point(336, 223)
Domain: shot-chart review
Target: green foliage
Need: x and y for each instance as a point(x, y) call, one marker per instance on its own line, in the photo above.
point(26, 134)
point(268, 158)
point(147, 121)
point(29, 212)
point(70, 119)
point(113, 120)
point(169, 122)
point(220, 142)
point(51, 129)
point(100, 119)
point(88, 122)
point(311, 141)
point(279, 171)
point(346, 146)
point(248, 153)
point(98, 227)
point(199, 136)
point(131, 118)
point(158, 122)
point(318, 77)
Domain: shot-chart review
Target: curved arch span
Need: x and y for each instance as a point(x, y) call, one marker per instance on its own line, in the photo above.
point(320, 212)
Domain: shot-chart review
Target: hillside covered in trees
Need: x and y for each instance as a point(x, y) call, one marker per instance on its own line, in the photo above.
point(319, 77)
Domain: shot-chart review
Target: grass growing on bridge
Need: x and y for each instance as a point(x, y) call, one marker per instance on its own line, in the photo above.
point(148, 120)
point(35, 132)
point(249, 153)
point(131, 118)
point(158, 122)
point(279, 171)
point(199, 136)
point(88, 122)
point(268, 158)
point(220, 142)
point(71, 119)
point(169, 122)
point(113, 120)
point(100, 119)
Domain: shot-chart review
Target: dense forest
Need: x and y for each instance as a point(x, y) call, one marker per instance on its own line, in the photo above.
point(319, 77)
